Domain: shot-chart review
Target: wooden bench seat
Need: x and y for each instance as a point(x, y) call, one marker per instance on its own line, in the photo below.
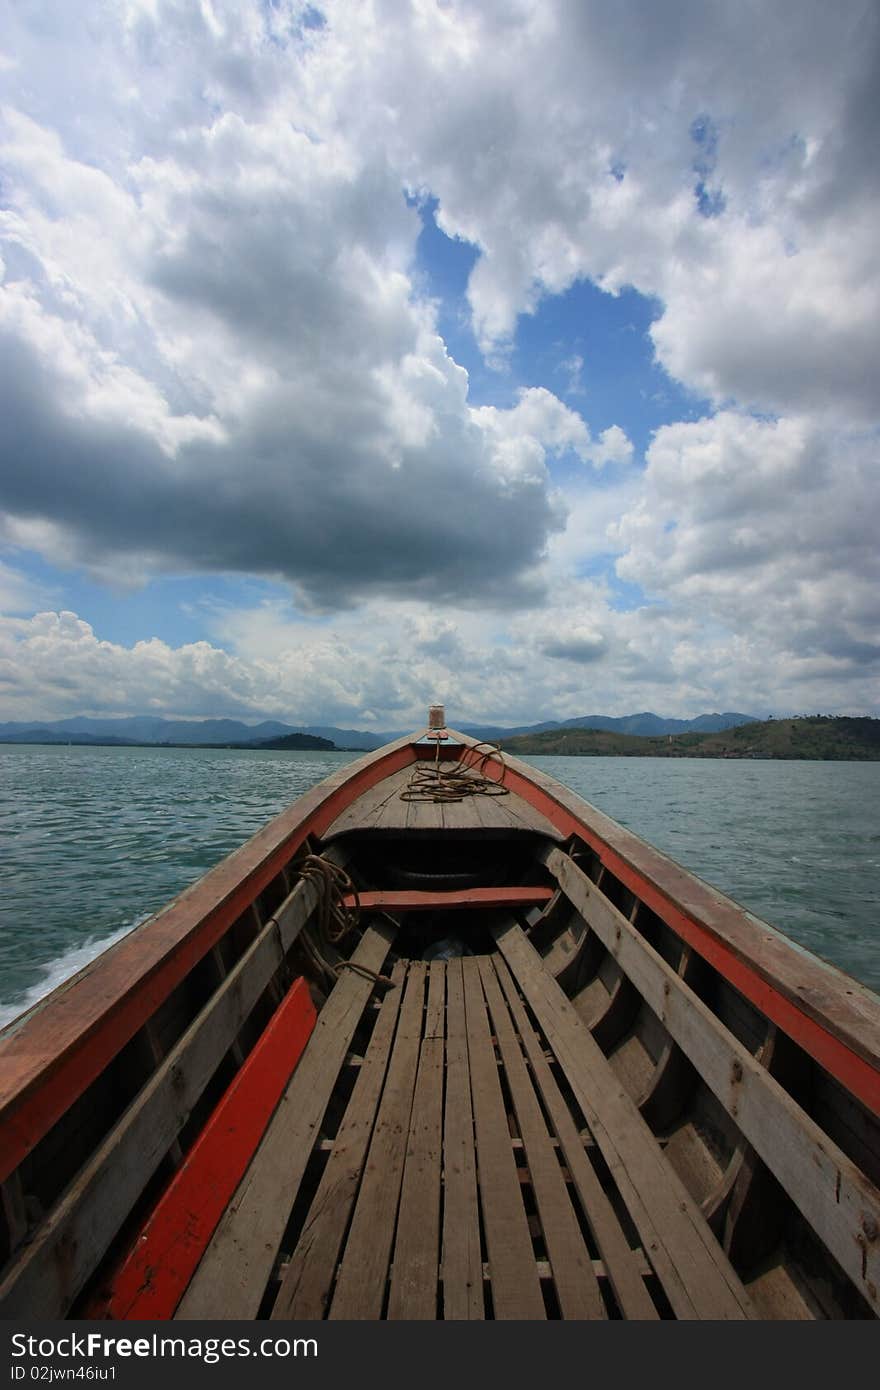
point(697, 1278)
point(460, 1180)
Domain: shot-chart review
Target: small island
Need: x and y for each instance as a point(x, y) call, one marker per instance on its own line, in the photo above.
point(318, 745)
point(842, 738)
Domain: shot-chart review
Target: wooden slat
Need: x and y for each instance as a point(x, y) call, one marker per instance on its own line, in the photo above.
point(418, 815)
point(232, 1277)
point(621, 1263)
point(155, 1053)
point(50, 1271)
point(360, 1287)
point(361, 814)
point(160, 1263)
point(416, 900)
point(385, 811)
point(462, 1265)
point(305, 1290)
point(839, 1204)
point(833, 1018)
point(696, 1275)
point(461, 815)
point(415, 1270)
point(576, 1285)
point(49, 1057)
point(516, 1289)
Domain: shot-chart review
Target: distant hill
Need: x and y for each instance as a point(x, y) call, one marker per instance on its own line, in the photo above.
point(822, 737)
point(645, 724)
point(140, 729)
point(152, 729)
point(45, 735)
point(325, 745)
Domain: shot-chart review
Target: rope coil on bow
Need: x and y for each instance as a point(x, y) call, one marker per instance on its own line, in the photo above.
point(461, 780)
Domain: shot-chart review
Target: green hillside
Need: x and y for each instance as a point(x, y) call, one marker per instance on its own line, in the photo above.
point(822, 737)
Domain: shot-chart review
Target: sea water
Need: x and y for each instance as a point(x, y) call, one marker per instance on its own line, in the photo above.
point(93, 840)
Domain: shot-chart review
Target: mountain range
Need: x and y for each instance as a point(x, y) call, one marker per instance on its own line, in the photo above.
point(152, 729)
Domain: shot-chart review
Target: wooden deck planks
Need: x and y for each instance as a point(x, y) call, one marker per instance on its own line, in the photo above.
point(425, 1150)
point(368, 805)
point(415, 1271)
point(516, 1289)
point(696, 1275)
point(837, 1202)
point(231, 1279)
point(360, 1288)
point(305, 1290)
point(462, 1269)
point(382, 809)
point(620, 1261)
point(575, 1282)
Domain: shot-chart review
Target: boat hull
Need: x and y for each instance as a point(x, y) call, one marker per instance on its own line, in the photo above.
point(637, 1099)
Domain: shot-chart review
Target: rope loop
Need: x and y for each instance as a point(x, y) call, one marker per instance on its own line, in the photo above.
point(335, 919)
point(462, 779)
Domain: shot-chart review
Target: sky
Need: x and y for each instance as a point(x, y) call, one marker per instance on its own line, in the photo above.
point(520, 356)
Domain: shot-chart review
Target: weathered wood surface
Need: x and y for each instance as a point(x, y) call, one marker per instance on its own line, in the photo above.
point(360, 1287)
point(461, 1269)
point(383, 809)
point(696, 1275)
point(49, 1057)
point(576, 1286)
point(621, 1263)
point(516, 1289)
point(232, 1277)
point(415, 900)
point(151, 1278)
point(839, 1204)
point(415, 1270)
point(833, 1018)
point(50, 1270)
point(305, 1290)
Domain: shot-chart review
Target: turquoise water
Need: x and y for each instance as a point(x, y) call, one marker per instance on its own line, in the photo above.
point(92, 840)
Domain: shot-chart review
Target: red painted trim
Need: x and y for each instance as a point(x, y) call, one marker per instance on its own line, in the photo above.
point(417, 901)
point(853, 1072)
point(152, 1278)
point(54, 1055)
point(859, 1075)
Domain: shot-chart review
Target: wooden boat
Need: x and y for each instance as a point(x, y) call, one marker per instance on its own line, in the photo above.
point(487, 1055)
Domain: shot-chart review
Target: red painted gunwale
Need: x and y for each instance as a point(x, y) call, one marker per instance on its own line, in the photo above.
point(54, 1053)
point(50, 1057)
point(153, 1276)
point(833, 1018)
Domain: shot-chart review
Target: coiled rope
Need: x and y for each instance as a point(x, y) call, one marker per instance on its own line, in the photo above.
point(460, 780)
point(333, 919)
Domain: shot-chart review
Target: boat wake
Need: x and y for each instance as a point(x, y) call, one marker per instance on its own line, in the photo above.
point(62, 968)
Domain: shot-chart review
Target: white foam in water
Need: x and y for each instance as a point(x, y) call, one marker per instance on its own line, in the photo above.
point(66, 965)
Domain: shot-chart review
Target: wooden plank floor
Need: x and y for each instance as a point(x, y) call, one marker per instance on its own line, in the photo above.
point(486, 1164)
point(381, 808)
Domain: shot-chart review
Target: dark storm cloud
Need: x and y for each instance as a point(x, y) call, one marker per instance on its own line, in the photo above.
point(321, 508)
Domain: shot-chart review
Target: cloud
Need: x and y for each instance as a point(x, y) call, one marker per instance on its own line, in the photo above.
point(760, 527)
point(648, 122)
point(381, 664)
point(218, 356)
point(580, 644)
point(612, 447)
point(225, 367)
